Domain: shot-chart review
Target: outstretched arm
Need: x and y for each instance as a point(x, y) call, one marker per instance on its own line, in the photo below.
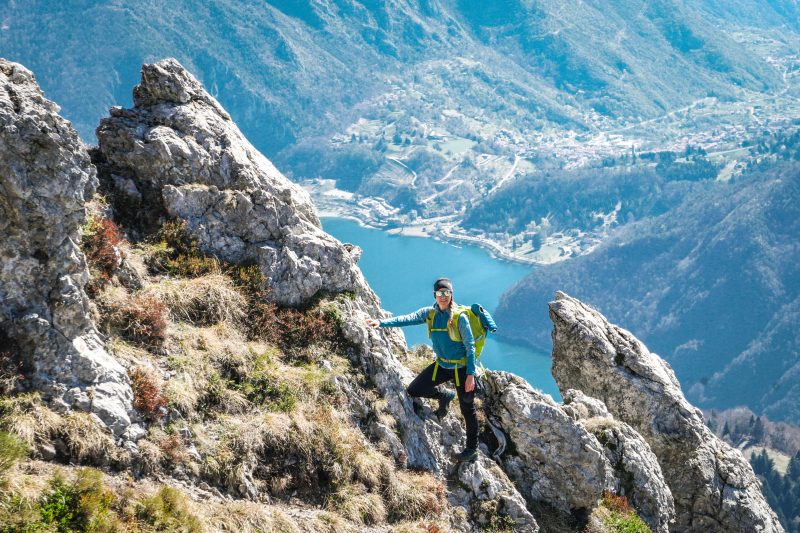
point(417, 317)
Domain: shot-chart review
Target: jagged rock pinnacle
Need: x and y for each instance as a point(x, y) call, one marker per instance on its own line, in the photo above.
point(178, 153)
point(714, 487)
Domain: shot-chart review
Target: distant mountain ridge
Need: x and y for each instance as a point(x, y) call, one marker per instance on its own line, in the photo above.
point(294, 69)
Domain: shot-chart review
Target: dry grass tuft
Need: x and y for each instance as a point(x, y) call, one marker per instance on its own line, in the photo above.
point(28, 418)
point(600, 423)
point(250, 517)
point(87, 440)
point(161, 449)
point(411, 495)
point(202, 301)
point(139, 319)
point(357, 505)
point(371, 468)
point(150, 457)
point(231, 451)
point(129, 355)
point(419, 527)
point(183, 393)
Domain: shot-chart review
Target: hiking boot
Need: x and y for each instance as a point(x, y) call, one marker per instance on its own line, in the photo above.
point(444, 403)
point(466, 455)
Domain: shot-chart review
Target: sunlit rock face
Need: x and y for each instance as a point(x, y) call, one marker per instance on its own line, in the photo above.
point(568, 455)
point(714, 487)
point(45, 179)
point(177, 153)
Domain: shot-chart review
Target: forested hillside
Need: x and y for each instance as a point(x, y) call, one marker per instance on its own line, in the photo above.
point(712, 286)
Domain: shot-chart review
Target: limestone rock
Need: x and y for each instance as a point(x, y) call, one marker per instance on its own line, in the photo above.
point(490, 494)
point(45, 179)
point(557, 460)
point(714, 487)
point(178, 153)
point(635, 465)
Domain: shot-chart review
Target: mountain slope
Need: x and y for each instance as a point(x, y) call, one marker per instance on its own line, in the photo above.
point(711, 286)
point(291, 70)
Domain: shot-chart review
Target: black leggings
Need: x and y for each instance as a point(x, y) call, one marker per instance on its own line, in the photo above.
point(424, 386)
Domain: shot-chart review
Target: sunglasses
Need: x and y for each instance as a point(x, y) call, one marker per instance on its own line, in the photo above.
point(442, 293)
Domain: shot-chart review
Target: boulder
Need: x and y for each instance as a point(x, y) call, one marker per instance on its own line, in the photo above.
point(713, 485)
point(45, 179)
point(555, 460)
point(492, 497)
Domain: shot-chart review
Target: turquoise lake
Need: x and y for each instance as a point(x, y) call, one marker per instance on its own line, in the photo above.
point(401, 270)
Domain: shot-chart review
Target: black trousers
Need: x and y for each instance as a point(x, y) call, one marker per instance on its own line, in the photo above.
point(424, 386)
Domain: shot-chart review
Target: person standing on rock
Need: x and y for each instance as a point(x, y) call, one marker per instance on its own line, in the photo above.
point(454, 360)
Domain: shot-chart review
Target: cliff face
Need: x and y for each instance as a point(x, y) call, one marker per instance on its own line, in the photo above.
point(624, 428)
point(713, 485)
point(45, 179)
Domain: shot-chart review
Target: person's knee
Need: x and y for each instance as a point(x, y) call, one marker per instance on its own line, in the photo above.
point(412, 391)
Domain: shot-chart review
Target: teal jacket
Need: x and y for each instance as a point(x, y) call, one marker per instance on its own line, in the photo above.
point(442, 345)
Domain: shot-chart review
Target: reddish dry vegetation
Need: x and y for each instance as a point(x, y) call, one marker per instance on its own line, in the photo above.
point(101, 246)
point(617, 503)
point(291, 329)
point(148, 398)
point(141, 320)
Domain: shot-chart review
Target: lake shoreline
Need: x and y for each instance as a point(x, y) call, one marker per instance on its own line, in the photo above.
point(331, 202)
point(401, 271)
point(419, 230)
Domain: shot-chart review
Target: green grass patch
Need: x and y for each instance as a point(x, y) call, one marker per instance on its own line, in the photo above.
point(621, 518)
point(12, 449)
point(167, 510)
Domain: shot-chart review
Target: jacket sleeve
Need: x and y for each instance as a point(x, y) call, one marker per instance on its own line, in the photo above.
point(469, 342)
point(411, 319)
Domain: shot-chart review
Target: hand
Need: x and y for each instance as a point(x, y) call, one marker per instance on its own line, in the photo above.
point(373, 323)
point(469, 385)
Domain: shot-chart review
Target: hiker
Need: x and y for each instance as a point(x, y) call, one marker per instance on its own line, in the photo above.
point(454, 360)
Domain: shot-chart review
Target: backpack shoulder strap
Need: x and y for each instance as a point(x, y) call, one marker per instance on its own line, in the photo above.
point(429, 321)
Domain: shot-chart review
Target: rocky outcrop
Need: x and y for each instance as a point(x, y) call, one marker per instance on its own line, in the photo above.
point(557, 460)
point(568, 455)
point(638, 474)
point(178, 153)
point(713, 485)
point(45, 179)
point(490, 494)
